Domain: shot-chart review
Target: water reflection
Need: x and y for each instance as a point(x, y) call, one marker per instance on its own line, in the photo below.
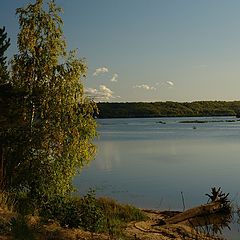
point(213, 224)
point(219, 219)
point(110, 156)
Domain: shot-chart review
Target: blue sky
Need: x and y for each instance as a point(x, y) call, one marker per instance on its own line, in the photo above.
point(151, 50)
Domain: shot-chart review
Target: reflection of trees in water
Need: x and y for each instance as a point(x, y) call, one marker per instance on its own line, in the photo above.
point(213, 224)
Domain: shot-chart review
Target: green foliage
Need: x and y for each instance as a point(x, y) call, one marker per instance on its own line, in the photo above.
point(55, 208)
point(4, 45)
point(168, 109)
point(23, 204)
point(91, 214)
point(54, 126)
point(75, 212)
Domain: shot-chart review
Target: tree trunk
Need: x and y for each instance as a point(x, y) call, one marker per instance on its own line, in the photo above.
point(1, 167)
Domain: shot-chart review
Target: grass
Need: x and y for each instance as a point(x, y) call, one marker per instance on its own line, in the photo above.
point(123, 212)
point(7, 205)
point(7, 202)
point(118, 215)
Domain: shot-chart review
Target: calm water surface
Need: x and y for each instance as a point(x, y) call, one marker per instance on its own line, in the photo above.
point(147, 163)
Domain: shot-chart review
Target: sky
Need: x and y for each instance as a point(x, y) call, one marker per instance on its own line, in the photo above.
point(150, 50)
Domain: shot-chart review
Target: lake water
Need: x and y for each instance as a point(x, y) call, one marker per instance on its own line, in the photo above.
point(152, 162)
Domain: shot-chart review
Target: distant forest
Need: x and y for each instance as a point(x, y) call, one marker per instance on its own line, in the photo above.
point(169, 109)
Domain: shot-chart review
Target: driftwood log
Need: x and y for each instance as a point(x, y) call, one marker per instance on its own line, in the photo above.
point(219, 204)
point(203, 210)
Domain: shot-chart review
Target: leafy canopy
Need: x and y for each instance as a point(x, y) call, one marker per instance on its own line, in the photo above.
point(53, 139)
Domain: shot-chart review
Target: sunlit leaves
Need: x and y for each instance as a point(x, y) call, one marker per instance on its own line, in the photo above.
point(59, 120)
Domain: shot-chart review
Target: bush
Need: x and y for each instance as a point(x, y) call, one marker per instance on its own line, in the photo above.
point(75, 212)
point(24, 204)
point(54, 208)
point(90, 213)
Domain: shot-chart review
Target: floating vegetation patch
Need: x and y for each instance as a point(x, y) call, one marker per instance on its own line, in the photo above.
point(206, 121)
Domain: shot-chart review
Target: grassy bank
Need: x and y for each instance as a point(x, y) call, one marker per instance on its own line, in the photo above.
point(65, 218)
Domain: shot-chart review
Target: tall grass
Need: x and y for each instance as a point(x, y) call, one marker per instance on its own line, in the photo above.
point(7, 202)
point(118, 215)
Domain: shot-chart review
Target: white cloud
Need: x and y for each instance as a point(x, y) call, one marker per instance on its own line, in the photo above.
point(145, 86)
point(114, 78)
point(100, 70)
point(102, 94)
point(108, 92)
point(170, 83)
point(90, 91)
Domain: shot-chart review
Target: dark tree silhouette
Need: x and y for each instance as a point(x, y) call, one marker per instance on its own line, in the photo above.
point(4, 44)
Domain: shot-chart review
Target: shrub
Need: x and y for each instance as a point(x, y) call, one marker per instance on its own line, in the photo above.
point(90, 213)
point(54, 208)
point(92, 216)
point(24, 204)
point(75, 212)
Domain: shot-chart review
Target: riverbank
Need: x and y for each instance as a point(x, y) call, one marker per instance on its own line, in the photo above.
point(123, 222)
point(140, 230)
point(69, 217)
point(150, 229)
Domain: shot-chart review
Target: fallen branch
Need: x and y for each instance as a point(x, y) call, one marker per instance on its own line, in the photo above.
point(219, 204)
point(202, 210)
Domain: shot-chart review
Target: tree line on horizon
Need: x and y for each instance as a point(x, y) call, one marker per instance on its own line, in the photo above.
point(168, 109)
